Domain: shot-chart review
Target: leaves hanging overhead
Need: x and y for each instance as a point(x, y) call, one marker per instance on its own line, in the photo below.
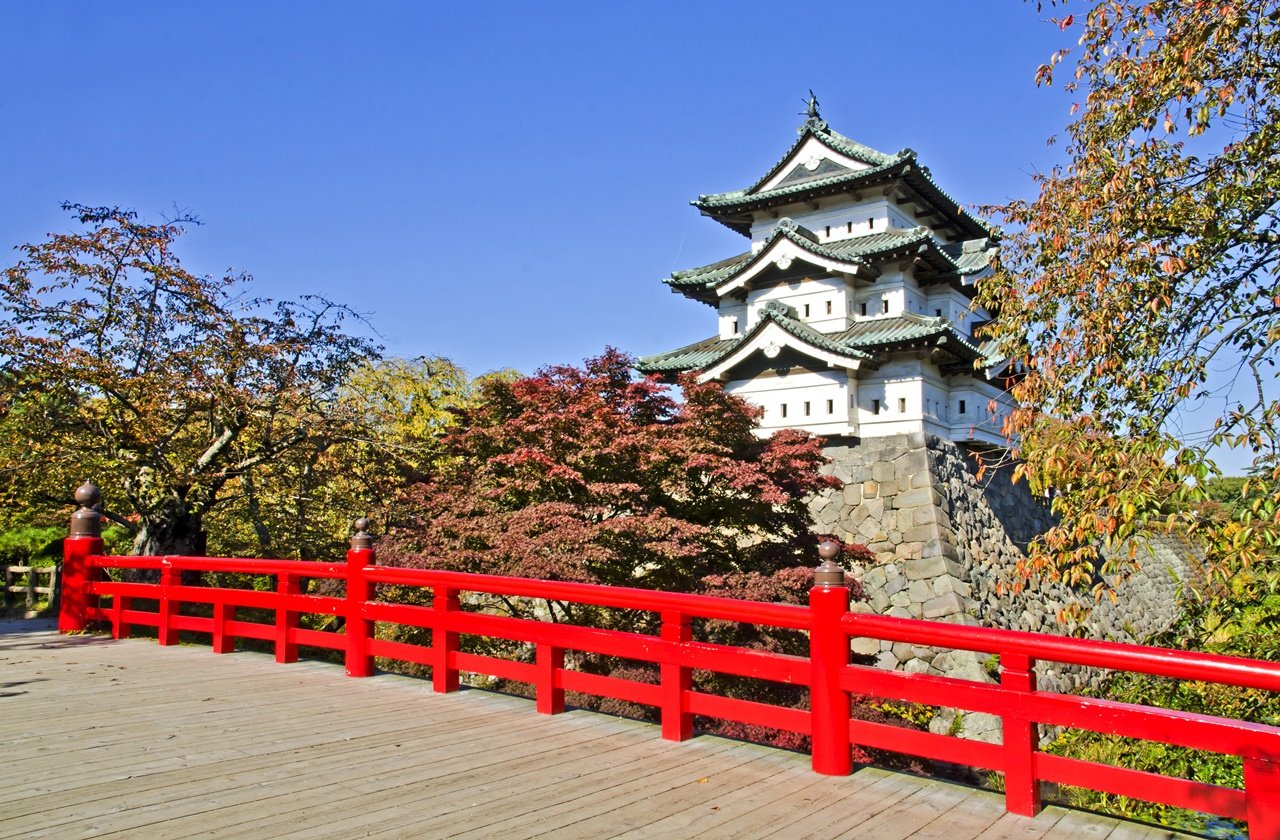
point(1142, 282)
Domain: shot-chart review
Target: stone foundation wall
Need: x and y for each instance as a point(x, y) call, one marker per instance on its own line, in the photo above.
point(947, 547)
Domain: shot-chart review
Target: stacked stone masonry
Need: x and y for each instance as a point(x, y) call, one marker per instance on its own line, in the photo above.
point(947, 546)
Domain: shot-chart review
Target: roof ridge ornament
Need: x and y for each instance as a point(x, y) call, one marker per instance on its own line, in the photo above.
point(814, 119)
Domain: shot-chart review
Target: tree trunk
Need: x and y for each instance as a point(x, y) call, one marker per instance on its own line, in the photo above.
point(172, 529)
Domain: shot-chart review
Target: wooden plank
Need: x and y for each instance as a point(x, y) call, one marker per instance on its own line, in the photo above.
point(128, 739)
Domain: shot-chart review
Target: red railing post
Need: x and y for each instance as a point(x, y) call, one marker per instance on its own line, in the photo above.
point(549, 697)
point(829, 655)
point(444, 642)
point(359, 591)
point(1021, 737)
point(84, 540)
point(170, 579)
point(1262, 798)
point(287, 585)
point(223, 642)
point(676, 681)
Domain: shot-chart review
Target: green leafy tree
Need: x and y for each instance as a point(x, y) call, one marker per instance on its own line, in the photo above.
point(1148, 261)
point(168, 388)
point(589, 474)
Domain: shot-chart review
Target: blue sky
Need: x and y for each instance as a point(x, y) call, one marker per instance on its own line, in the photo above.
point(504, 184)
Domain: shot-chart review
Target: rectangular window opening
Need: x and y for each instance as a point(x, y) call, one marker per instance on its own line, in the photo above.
point(902, 405)
point(806, 310)
point(828, 234)
point(850, 228)
point(884, 305)
point(806, 409)
point(937, 312)
point(864, 307)
point(784, 409)
point(875, 406)
point(831, 406)
point(828, 307)
point(962, 406)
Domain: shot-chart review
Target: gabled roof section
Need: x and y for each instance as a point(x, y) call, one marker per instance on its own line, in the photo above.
point(734, 209)
point(776, 319)
point(818, 130)
point(855, 255)
point(869, 341)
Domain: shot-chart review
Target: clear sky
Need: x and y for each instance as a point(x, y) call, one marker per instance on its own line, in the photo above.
point(504, 184)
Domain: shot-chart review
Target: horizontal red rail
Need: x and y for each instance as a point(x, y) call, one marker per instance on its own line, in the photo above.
point(672, 651)
point(1161, 662)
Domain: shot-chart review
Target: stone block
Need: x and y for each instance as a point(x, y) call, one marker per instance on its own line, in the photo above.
point(918, 497)
point(901, 599)
point(900, 612)
point(874, 578)
point(887, 661)
point(916, 666)
point(879, 601)
point(873, 507)
point(947, 584)
point(920, 591)
point(894, 585)
point(926, 515)
point(865, 647)
point(882, 471)
point(931, 567)
point(948, 604)
point(895, 537)
point(870, 489)
point(853, 494)
point(921, 533)
point(909, 551)
point(903, 651)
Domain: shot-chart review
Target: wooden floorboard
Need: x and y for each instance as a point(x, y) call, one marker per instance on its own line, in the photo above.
point(128, 739)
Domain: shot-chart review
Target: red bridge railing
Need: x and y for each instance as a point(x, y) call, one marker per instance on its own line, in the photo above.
point(89, 595)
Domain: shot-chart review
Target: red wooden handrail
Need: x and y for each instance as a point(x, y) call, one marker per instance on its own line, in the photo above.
point(89, 595)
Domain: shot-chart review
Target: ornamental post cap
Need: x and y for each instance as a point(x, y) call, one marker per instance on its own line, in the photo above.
point(87, 521)
point(361, 539)
point(829, 573)
point(88, 495)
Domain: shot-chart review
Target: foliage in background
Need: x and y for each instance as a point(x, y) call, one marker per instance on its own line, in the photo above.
point(165, 387)
point(1147, 264)
point(592, 475)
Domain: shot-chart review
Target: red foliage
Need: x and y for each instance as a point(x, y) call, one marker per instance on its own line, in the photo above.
point(591, 474)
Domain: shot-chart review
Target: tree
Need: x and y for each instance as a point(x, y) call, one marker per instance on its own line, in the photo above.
point(589, 474)
point(592, 475)
point(1148, 262)
point(167, 387)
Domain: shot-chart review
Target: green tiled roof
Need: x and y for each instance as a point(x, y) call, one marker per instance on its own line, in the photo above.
point(729, 207)
point(697, 282)
point(833, 140)
point(867, 339)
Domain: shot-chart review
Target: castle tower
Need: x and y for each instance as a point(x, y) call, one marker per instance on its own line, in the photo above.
point(851, 314)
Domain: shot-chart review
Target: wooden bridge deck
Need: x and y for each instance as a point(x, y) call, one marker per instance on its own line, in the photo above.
point(127, 739)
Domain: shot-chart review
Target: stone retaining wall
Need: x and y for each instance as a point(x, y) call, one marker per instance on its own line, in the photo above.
point(947, 547)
